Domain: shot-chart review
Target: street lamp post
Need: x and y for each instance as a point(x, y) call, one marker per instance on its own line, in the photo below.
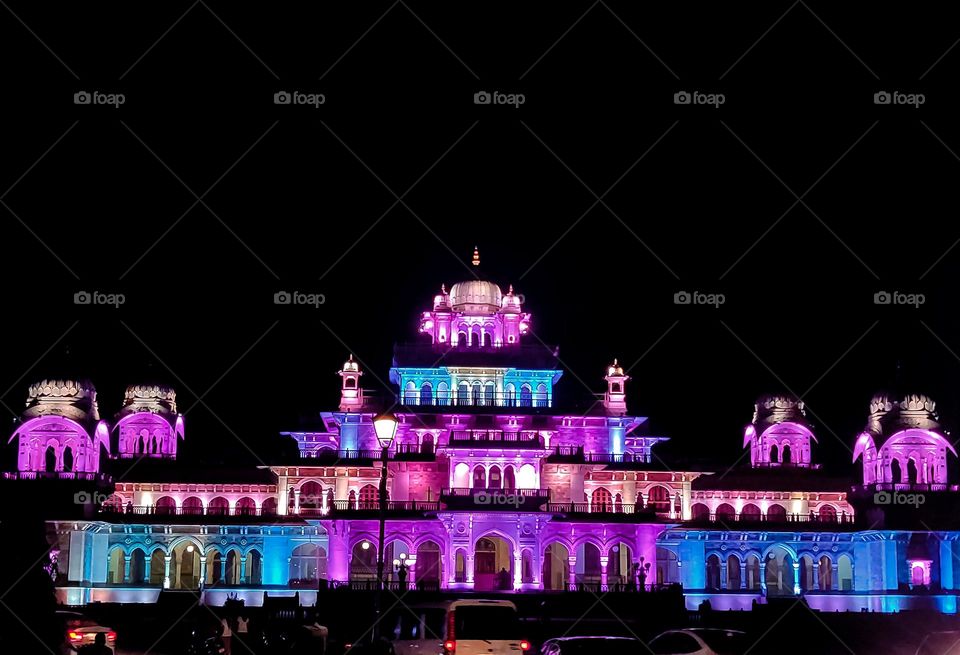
point(385, 426)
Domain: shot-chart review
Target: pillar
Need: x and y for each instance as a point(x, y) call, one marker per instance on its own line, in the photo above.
point(572, 562)
point(576, 485)
point(296, 501)
point(146, 568)
point(604, 559)
point(469, 565)
point(126, 568)
point(338, 562)
point(342, 489)
point(796, 577)
point(203, 568)
point(243, 569)
point(763, 576)
point(835, 577)
point(723, 573)
point(166, 571)
point(816, 574)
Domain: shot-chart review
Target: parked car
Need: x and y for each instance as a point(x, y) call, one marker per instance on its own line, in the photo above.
point(464, 627)
point(940, 643)
point(700, 641)
point(80, 631)
point(593, 646)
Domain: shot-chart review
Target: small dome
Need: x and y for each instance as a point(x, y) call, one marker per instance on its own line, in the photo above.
point(890, 413)
point(778, 408)
point(153, 398)
point(72, 399)
point(476, 295)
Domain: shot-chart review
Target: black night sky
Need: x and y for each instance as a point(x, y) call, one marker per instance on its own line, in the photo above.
point(598, 198)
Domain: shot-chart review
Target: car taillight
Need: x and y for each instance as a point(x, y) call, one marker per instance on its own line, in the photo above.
point(111, 636)
point(524, 645)
point(450, 646)
point(75, 636)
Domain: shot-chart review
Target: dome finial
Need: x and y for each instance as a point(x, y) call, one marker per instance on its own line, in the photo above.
point(476, 256)
point(443, 288)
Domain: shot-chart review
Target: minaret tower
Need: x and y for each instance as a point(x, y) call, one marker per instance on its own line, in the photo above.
point(615, 399)
point(351, 395)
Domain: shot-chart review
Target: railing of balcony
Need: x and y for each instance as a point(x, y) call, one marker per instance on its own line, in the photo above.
point(54, 475)
point(392, 506)
point(463, 492)
point(475, 399)
point(525, 438)
point(153, 510)
point(839, 519)
point(330, 455)
point(906, 487)
point(577, 453)
point(601, 508)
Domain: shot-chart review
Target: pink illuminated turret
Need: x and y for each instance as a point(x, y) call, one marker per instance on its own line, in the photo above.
point(779, 434)
point(615, 398)
point(148, 423)
point(903, 442)
point(351, 395)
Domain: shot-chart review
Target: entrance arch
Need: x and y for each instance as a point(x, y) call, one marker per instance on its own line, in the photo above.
point(493, 564)
point(429, 567)
point(780, 576)
point(556, 567)
point(185, 572)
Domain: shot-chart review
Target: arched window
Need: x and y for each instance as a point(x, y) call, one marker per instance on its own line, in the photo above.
point(494, 479)
point(733, 572)
point(479, 477)
point(477, 394)
point(269, 506)
point(426, 394)
point(462, 339)
point(363, 563)
point(246, 506)
point(368, 497)
point(231, 574)
point(410, 394)
point(463, 394)
point(620, 565)
point(753, 572)
point(785, 455)
point(254, 568)
point(700, 512)
point(138, 567)
point(825, 574)
point(509, 478)
point(165, 505)
point(589, 568)
point(556, 567)
point(828, 513)
point(913, 474)
point(713, 572)
point(116, 567)
point(192, 506)
point(460, 564)
point(488, 393)
point(750, 512)
point(305, 562)
point(807, 583)
point(601, 500)
point(526, 396)
point(443, 393)
point(219, 506)
point(510, 395)
point(311, 497)
point(774, 453)
point(776, 513)
point(618, 504)
point(427, 443)
point(157, 567)
point(845, 573)
point(726, 513)
point(350, 383)
point(541, 399)
point(429, 565)
point(658, 498)
point(668, 571)
point(526, 566)
point(68, 463)
point(214, 573)
point(50, 459)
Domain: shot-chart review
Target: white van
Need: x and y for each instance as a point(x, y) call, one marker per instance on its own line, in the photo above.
point(458, 627)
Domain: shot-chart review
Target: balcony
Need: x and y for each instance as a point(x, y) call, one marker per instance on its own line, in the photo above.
point(906, 487)
point(575, 454)
point(415, 400)
point(57, 475)
point(617, 513)
point(497, 499)
point(527, 439)
point(790, 522)
point(153, 514)
point(371, 508)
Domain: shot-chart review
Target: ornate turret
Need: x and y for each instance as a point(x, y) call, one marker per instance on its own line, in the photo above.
point(351, 395)
point(779, 434)
point(903, 442)
point(615, 398)
point(148, 423)
point(75, 400)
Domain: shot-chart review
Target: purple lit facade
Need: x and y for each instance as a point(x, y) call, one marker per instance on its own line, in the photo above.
point(493, 486)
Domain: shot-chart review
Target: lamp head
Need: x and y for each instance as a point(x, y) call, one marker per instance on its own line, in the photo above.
point(385, 426)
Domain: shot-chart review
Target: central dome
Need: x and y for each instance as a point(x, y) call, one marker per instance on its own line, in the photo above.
point(475, 295)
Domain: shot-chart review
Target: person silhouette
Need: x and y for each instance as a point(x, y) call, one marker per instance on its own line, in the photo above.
point(99, 646)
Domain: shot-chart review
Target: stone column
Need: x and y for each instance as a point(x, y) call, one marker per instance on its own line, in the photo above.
point(572, 562)
point(604, 559)
point(296, 501)
point(203, 568)
point(469, 565)
point(835, 577)
point(166, 571)
point(243, 570)
point(723, 573)
point(342, 490)
point(763, 576)
point(816, 575)
point(126, 568)
point(146, 569)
